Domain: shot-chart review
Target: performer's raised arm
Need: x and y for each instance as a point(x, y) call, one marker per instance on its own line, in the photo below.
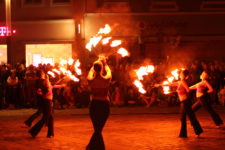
point(91, 74)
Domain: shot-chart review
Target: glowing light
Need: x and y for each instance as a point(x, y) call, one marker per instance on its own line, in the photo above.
point(47, 61)
point(51, 74)
point(93, 42)
point(77, 69)
point(138, 84)
point(56, 71)
point(106, 40)
point(170, 79)
point(4, 31)
point(166, 89)
point(105, 30)
point(70, 61)
point(123, 52)
point(116, 43)
point(63, 62)
point(175, 74)
point(143, 70)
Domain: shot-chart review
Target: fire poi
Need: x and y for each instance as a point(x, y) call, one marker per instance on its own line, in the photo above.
point(173, 77)
point(63, 69)
point(142, 71)
point(102, 36)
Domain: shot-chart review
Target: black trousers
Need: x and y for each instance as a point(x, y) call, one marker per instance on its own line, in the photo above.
point(99, 113)
point(39, 111)
point(47, 119)
point(186, 110)
point(203, 101)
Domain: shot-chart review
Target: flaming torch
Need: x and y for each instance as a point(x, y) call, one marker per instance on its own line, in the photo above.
point(123, 52)
point(139, 85)
point(142, 71)
point(101, 36)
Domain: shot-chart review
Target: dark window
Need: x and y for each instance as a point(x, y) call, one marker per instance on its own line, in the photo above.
point(61, 1)
point(32, 1)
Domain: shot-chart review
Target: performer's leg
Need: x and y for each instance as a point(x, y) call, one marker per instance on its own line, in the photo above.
point(216, 118)
point(183, 130)
point(197, 105)
point(194, 122)
point(99, 112)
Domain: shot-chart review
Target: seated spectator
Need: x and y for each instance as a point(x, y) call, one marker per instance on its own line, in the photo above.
point(132, 97)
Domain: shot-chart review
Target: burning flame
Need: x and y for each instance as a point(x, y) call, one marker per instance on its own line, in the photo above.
point(175, 74)
point(51, 74)
point(143, 70)
point(123, 52)
point(105, 30)
point(106, 40)
point(77, 69)
point(170, 79)
point(70, 61)
point(101, 36)
point(116, 43)
point(63, 62)
point(166, 89)
point(56, 71)
point(93, 42)
point(138, 84)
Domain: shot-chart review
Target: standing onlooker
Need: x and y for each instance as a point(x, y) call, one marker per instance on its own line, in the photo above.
point(12, 86)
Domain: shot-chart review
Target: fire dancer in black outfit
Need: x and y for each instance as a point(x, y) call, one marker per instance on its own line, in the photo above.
point(47, 106)
point(99, 106)
point(185, 106)
point(41, 77)
point(203, 88)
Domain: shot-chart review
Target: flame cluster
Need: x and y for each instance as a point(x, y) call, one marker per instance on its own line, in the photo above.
point(173, 77)
point(142, 71)
point(102, 36)
point(63, 65)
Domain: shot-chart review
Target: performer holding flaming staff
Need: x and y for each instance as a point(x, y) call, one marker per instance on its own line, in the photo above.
point(46, 93)
point(99, 78)
point(185, 106)
point(203, 88)
point(40, 78)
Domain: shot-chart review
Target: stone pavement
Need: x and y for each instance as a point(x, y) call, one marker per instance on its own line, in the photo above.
point(135, 128)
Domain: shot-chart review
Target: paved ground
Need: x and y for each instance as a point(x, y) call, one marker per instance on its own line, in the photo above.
point(127, 129)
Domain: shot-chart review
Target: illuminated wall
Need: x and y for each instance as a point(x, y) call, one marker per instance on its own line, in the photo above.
point(3, 54)
point(47, 53)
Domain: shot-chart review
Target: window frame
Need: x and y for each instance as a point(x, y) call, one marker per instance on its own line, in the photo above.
point(52, 3)
point(32, 4)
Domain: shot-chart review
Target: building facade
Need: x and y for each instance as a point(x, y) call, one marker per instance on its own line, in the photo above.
point(154, 29)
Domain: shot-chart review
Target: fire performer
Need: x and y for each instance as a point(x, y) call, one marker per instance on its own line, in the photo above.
point(40, 78)
point(47, 106)
point(203, 89)
point(99, 78)
point(185, 105)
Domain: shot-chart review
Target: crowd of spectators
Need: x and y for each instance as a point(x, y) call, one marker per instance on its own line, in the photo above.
point(17, 85)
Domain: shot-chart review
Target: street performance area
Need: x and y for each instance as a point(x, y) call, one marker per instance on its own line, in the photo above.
point(128, 128)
